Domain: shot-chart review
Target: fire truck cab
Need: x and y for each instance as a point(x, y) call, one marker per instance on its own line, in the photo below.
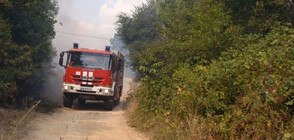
point(92, 75)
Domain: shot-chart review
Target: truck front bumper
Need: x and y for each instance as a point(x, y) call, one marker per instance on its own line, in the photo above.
point(95, 90)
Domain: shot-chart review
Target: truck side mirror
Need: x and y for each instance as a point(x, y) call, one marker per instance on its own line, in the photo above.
point(61, 59)
point(61, 54)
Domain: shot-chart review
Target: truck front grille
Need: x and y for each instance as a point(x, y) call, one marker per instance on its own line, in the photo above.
point(86, 91)
point(81, 79)
point(87, 85)
point(97, 82)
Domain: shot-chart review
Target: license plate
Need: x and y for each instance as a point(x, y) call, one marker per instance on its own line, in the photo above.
point(86, 89)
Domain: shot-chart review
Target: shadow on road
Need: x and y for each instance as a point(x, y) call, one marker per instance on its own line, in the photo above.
point(95, 106)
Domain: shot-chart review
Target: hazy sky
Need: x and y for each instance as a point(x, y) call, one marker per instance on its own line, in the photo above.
point(89, 18)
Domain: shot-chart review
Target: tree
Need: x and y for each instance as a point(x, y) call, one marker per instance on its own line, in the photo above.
point(25, 39)
point(137, 30)
point(196, 32)
point(221, 69)
point(258, 16)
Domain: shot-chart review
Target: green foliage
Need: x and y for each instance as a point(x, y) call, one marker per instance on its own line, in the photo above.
point(247, 94)
point(251, 88)
point(222, 69)
point(259, 15)
point(138, 30)
point(25, 44)
point(196, 32)
point(37, 25)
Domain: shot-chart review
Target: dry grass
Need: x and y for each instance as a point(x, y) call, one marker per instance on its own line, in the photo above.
point(22, 119)
point(13, 120)
point(130, 105)
point(8, 120)
point(196, 126)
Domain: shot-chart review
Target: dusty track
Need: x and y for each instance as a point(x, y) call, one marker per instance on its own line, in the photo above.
point(91, 122)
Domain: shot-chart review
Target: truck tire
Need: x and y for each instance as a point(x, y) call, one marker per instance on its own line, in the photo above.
point(67, 101)
point(109, 104)
point(81, 102)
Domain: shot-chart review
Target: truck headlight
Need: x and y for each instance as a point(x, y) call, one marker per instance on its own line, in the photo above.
point(65, 87)
point(106, 90)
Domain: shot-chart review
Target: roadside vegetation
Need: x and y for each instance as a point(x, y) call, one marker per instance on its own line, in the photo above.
point(26, 32)
point(217, 69)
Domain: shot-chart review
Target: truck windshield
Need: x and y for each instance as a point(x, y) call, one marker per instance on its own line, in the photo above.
point(89, 60)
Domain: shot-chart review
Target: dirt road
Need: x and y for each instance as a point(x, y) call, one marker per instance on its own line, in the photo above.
point(91, 122)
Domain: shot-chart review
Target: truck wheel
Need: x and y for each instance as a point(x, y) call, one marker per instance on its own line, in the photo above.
point(67, 101)
point(109, 103)
point(81, 102)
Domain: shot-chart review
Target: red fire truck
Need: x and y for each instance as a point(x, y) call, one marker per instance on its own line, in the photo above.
point(92, 75)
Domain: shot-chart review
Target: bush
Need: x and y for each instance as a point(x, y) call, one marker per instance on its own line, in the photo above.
point(247, 94)
point(216, 69)
point(26, 31)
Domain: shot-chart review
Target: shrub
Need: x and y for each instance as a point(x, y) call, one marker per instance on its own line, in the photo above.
point(247, 94)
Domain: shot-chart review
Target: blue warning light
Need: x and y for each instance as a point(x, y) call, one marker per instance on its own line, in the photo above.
point(75, 45)
point(107, 48)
